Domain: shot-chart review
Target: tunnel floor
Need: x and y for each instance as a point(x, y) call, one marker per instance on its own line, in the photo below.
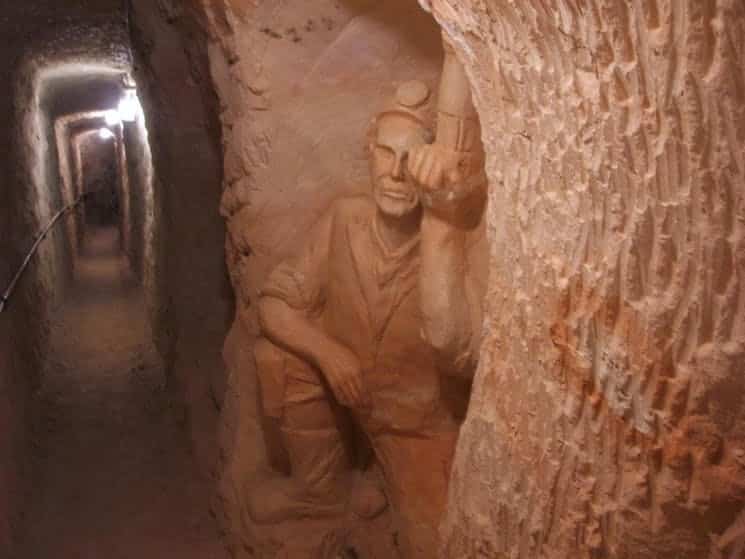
point(116, 477)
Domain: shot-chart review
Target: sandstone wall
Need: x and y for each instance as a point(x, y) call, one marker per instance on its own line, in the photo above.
point(184, 270)
point(16, 365)
point(607, 417)
point(140, 199)
point(65, 128)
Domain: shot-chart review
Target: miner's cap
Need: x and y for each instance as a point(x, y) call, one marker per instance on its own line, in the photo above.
point(411, 99)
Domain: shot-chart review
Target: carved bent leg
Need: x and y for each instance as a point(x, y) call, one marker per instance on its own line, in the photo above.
point(320, 470)
point(321, 479)
point(418, 495)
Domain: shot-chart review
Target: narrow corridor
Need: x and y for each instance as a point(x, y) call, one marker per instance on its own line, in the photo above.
point(116, 477)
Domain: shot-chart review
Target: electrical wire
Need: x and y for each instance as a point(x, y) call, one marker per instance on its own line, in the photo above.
point(8, 293)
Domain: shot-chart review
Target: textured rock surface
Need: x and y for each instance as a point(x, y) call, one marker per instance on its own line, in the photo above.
point(139, 177)
point(607, 416)
point(183, 267)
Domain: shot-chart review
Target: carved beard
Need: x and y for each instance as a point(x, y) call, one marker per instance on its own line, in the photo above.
point(396, 198)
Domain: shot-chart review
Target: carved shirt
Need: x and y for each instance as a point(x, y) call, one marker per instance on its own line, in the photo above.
point(366, 297)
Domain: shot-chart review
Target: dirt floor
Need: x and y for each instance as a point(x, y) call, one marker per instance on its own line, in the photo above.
point(116, 477)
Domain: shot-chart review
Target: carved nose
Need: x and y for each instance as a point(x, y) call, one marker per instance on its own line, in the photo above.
point(398, 168)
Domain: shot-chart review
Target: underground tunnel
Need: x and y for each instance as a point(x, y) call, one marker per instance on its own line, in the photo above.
point(372, 279)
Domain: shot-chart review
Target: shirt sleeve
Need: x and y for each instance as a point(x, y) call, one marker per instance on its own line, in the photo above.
point(300, 281)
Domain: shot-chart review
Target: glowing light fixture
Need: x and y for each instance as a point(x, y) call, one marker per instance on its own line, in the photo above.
point(112, 118)
point(129, 106)
point(105, 134)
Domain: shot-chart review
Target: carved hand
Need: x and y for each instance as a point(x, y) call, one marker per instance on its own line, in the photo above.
point(343, 372)
point(445, 177)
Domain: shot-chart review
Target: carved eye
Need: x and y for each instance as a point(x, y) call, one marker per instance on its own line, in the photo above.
point(384, 153)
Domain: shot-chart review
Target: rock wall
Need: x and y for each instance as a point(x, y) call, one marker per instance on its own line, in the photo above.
point(184, 271)
point(66, 129)
point(140, 200)
point(607, 416)
point(17, 356)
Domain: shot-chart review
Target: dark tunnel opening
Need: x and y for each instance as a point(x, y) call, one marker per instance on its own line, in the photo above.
point(100, 179)
point(82, 103)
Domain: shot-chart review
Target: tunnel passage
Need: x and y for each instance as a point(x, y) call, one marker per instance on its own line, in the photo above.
point(100, 175)
point(97, 410)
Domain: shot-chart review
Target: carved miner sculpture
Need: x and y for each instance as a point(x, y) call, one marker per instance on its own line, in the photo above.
point(378, 317)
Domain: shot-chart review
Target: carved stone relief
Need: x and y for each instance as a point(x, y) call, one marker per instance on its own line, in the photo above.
point(299, 154)
point(374, 325)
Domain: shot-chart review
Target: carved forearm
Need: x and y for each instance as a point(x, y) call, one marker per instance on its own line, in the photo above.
point(444, 302)
point(449, 213)
point(290, 329)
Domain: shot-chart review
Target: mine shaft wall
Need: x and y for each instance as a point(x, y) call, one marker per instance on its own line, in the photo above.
point(18, 353)
point(185, 275)
point(63, 142)
point(607, 416)
point(140, 201)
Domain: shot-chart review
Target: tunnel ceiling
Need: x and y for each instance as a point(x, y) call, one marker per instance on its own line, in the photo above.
point(62, 9)
point(80, 122)
point(81, 91)
point(80, 47)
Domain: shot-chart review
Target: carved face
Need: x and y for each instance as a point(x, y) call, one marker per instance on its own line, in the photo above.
point(394, 190)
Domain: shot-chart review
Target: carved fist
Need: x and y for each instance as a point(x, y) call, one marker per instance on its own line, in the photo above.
point(446, 178)
point(343, 372)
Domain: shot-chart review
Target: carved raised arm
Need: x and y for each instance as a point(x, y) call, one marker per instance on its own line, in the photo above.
point(450, 177)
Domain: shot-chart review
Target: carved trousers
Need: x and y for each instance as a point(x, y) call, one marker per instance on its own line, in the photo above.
point(416, 466)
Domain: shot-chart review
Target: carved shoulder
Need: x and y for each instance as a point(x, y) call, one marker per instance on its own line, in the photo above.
point(351, 209)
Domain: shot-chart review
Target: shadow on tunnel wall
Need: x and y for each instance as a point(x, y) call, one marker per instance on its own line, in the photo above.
point(185, 275)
